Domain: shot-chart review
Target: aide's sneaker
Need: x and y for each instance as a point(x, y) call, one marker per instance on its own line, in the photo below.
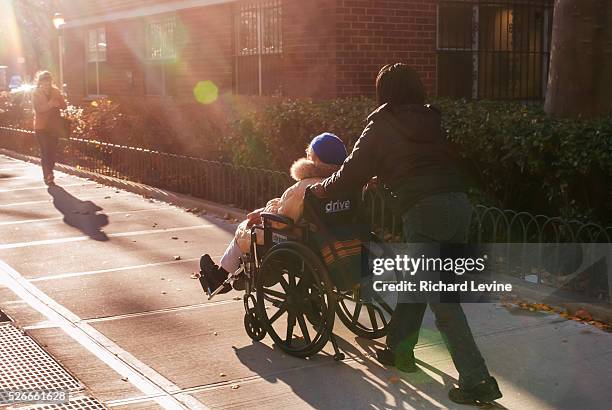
point(485, 392)
point(404, 363)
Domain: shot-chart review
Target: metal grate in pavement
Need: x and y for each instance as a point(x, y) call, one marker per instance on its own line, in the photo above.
point(25, 365)
point(81, 403)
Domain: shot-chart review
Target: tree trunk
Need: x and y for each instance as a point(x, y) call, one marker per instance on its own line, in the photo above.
point(580, 79)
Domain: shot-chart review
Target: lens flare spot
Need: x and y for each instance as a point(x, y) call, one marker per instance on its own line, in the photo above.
point(206, 92)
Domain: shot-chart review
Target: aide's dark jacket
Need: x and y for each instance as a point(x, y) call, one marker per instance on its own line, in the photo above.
point(405, 148)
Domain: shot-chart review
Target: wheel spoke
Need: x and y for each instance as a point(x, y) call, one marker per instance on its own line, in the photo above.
point(275, 293)
point(383, 304)
point(283, 283)
point(386, 307)
point(304, 329)
point(281, 309)
point(291, 277)
point(290, 326)
point(355, 318)
point(372, 314)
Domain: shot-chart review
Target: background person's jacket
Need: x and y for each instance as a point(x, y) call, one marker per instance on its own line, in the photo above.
point(404, 146)
point(44, 112)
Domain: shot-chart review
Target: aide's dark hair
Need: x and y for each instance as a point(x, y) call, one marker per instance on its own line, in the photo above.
point(398, 84)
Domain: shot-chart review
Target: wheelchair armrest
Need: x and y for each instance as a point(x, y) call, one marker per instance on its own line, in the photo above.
point(277, 218)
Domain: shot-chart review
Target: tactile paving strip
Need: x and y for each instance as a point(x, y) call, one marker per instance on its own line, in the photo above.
point(24, 365)
point(81, 403)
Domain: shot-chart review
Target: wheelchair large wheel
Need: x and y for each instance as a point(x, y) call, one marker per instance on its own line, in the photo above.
point(368, 320)
point(295, 302)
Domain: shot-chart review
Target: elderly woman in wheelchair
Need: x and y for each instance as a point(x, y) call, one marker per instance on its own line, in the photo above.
point(301, 267)
point(324, 155)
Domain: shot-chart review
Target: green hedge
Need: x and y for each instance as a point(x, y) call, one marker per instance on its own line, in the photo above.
point(520, 157)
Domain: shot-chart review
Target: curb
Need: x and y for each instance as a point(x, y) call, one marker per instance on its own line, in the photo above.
point(601, 311)
point(180, 200)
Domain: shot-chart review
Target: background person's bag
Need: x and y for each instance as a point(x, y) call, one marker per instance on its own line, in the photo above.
point(59, 126)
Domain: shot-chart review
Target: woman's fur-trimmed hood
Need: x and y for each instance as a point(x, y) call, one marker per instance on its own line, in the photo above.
point(304, 168)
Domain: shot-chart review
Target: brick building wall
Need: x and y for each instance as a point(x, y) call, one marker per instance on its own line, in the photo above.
point(372, 33)
point(331, 48)
point(309, 66)
point(205, 54)
point(208, 52)
point(74, 63)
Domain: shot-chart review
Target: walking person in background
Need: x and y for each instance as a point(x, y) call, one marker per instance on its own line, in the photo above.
point(404, 146)
point(48, 123)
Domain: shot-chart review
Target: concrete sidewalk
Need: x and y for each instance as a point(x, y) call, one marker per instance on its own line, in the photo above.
point(101, 278)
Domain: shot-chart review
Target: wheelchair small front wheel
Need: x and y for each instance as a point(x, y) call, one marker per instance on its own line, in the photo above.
point(253, 326)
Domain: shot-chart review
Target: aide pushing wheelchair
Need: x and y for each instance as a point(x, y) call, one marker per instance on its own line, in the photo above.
point(305, 273)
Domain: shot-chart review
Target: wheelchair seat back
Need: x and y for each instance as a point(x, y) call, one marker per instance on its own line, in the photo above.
point(339, 235)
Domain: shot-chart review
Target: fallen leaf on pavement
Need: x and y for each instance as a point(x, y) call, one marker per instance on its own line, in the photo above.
point(394, 379)
point(235, 386)
point(583, 314)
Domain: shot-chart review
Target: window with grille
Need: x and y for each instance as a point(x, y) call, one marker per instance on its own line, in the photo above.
point(96, 60)
point(161, 55)
point(258, 47)
point(494, 49)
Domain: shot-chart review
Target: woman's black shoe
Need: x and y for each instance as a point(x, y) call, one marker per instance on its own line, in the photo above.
point(485, 392)
point(405, 363)
point(212, 276)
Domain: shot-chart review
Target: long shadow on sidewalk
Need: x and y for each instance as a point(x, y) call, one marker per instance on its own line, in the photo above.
point(82, 215)
point(340, 385)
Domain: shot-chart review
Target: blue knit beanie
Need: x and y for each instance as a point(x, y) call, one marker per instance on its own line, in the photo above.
point(329, 148)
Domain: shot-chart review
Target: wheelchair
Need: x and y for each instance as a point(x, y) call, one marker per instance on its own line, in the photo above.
point(294, 287)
